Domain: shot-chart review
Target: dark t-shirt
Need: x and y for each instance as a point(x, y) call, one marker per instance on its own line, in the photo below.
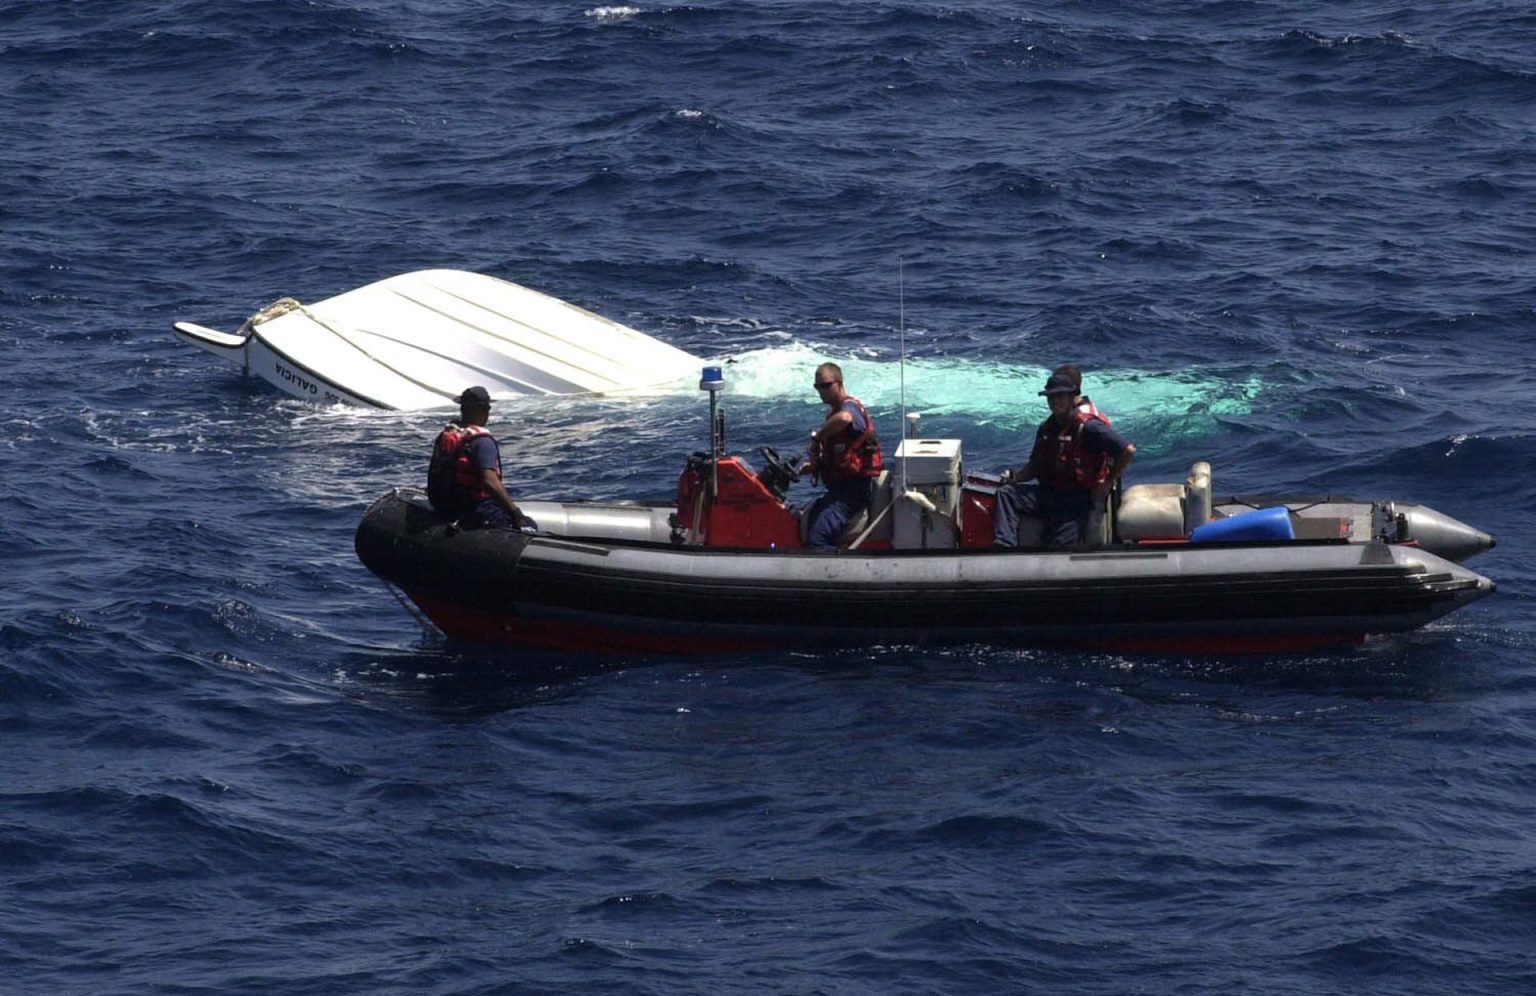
point(856, 489)
point(485, 455)
point(1100, 438)
point(852, 408)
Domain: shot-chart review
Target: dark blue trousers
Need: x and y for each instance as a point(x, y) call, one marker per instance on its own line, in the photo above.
point(1063, 514)
point(829, 515)
point(489, 515)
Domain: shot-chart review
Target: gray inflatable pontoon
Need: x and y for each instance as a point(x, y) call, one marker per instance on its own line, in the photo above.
point(626, 578)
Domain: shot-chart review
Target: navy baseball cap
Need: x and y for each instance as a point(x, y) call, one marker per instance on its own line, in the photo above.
point(1060, 384)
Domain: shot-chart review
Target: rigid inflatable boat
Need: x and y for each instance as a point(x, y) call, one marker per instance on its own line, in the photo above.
point(418, 339)
point(1167, 567)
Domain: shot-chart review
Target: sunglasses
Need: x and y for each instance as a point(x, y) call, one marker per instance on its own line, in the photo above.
point(822, 384)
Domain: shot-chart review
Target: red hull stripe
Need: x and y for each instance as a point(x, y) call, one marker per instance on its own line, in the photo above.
point(476, 625)
point(479, 626)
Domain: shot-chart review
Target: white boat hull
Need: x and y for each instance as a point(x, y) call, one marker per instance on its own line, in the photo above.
point(416, 340)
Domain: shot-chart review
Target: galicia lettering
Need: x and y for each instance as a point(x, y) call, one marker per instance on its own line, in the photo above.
point(296, 380)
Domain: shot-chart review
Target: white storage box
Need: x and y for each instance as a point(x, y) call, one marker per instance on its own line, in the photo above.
point(933, 470)
point(928, 461)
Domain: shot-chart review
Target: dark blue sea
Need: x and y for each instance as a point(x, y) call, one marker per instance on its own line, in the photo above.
point(1297, 240)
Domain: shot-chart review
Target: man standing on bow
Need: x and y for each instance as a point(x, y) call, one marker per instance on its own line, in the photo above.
point(1076, 460)
point(464, 479)
point(845, 455)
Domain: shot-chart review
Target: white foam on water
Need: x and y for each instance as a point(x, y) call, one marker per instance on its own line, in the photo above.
point(612, 13)
point(987, 391)
point(765, 386)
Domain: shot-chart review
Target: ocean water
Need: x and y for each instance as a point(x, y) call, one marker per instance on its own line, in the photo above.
point(1292, 239)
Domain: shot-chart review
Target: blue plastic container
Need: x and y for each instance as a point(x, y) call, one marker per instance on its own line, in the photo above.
point(1260, 524)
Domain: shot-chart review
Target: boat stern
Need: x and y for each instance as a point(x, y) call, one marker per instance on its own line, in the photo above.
point(1437, 532)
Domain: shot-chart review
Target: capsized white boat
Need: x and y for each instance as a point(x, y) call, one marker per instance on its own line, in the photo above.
point(418, 339)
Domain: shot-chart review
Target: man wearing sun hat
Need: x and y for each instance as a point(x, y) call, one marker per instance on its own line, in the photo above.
point(1076, 460)
point(464, 480)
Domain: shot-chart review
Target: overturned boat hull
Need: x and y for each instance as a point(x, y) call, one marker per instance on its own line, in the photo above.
point(416, 340)
point(607, 578)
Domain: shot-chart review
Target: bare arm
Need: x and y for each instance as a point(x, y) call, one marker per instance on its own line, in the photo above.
point(835, 423)
point(493, 484)
point(1024, 473)
point(1116, 469)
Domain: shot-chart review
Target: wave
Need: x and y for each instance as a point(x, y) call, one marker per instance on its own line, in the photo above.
point(1473, 465)
point(1399, 63)
point(984, 182)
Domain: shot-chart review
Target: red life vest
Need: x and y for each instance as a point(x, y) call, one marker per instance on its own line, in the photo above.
point(1087, 407)
point(454, 486)
point(1061, 463)
point(852, 455)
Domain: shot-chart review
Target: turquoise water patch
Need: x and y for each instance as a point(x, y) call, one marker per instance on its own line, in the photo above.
point(1003, 395)
point(768, 400)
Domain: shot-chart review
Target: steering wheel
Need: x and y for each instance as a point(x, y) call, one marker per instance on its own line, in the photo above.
point(779, 472)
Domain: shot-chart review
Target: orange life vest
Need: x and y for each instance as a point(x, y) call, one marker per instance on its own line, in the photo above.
point(1087, 407)
point(453, 485)
point(852, 455)
point(1061, 463)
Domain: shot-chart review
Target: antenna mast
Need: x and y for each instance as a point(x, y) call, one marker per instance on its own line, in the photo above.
point(901, 307)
